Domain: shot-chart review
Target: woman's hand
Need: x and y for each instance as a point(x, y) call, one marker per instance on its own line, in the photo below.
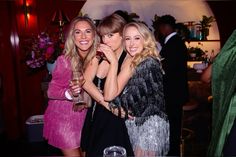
point(122, 113)
point(119, 111)
point(109, 53)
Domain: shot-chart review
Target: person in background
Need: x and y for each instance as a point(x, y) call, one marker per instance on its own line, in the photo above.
point(141, 86)
point(102, 128)
point(124, 15)
point(174, 54)
point(222, 75)
point(63, 125)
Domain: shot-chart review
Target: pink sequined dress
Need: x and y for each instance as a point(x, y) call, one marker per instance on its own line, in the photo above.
point(62, 126)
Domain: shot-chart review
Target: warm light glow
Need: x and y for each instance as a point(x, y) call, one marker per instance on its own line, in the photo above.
point(26, 2)
point(26, 18)
point(27, 10)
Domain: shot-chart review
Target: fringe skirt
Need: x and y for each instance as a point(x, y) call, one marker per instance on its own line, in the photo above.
point(151, 138)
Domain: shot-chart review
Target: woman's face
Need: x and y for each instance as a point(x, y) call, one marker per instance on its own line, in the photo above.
point(84, 36)
point(134, 42)
point(114, 40)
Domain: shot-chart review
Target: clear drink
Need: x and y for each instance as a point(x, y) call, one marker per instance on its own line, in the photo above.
point(78, 98)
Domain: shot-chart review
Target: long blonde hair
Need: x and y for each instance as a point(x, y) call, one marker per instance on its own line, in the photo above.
point(149, 47)
point(71, 51)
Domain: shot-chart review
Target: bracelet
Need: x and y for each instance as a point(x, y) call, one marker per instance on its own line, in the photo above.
point(111, 106)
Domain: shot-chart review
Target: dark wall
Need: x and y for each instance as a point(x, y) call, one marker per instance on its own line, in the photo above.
point(224, 11)
point(22, 95)
point(8, 71)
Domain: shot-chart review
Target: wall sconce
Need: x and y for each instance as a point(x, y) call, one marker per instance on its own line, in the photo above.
point(60, 18)
point(27, 10)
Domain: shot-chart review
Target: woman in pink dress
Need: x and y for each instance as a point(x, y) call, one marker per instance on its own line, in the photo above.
point(62, 124)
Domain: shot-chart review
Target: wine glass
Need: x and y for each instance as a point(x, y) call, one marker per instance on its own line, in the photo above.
point(78, 98)
point(100, 55)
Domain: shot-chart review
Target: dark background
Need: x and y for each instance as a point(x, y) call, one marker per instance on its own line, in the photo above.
point(21, 95)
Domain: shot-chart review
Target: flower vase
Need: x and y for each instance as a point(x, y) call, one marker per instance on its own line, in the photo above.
point(50, 67)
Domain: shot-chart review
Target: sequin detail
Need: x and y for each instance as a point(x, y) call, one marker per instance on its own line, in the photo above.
point(151, 136)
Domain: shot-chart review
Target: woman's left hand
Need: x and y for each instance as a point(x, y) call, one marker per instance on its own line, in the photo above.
point(120, 112)
point(109, 53)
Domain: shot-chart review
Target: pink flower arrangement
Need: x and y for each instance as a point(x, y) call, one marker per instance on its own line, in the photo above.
point(43, 49)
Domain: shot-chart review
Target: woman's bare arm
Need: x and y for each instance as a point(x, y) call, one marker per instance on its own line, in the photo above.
point(206, 75)
point(89, 86)
point(118, 83)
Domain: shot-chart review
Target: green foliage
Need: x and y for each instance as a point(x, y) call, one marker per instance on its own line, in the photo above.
point(199, 53)
point(206, 21)
point(132, 16)
point(129, 17)
point(155, 22)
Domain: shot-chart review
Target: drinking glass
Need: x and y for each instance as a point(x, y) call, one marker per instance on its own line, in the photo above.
point(100, 55)
point(78, 98)
point(114, 151)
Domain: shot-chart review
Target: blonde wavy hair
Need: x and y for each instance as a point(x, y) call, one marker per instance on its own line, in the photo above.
point(149, 47)
point(71, 51)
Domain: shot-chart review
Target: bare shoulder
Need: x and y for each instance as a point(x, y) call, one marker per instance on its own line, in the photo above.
point(127, 62)
point(91, 69)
